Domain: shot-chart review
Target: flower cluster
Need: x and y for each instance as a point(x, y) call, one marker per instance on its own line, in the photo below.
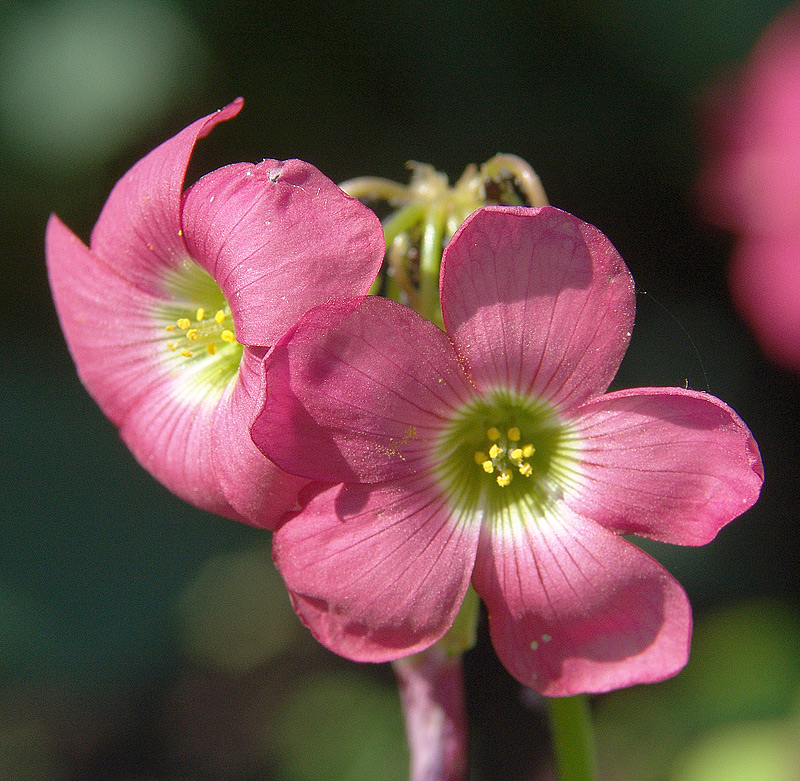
point(400, 463)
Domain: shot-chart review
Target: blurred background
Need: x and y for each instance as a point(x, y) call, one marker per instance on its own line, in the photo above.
point(142, 639)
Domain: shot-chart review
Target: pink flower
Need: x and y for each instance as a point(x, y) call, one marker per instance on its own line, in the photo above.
point(170, 311)
point(751, 185)
point(488, 453)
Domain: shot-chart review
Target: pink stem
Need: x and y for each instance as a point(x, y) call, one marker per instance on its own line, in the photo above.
point(432, 693)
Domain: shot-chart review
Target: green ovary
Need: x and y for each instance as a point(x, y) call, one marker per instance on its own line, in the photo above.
point(196, 332)
point(506, 450)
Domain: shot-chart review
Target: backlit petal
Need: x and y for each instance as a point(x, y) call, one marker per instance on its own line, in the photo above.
point(105, 320)
point(573, 608)
point(672, 464)
point(279, 238)
point(377, 572)
point(138, 232)
point(357, 392)
point(537, 301)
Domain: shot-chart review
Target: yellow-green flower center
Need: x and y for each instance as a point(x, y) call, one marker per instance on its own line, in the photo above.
point(197, 335)
point(503, 450)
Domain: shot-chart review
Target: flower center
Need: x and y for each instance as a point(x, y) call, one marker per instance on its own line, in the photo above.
point(505, 455)
point(196, 331)
point(203, 333)
point(504, 450)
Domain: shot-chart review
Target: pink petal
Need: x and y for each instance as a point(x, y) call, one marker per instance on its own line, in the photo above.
point(377, 572)
point(357, 392)
point(672, 464)
point(765, 283)
point(576, 609)
point(751, 180)
point(279, 238)
point(537, 301)
point(138, 232)
point(104, 318)
point(258, 490)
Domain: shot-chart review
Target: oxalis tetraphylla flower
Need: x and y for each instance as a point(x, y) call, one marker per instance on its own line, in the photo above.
point(171, 309)
point(489, 453)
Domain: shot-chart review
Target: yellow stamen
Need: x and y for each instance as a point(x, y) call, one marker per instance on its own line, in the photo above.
point(504, 478)
point(488, 466)
point(480, 458)
point(514, 434)
point(201, 313)
point(186, 353)
point(170, 327)
point(192, 334)
point(220, 317)
point(211, 348)
point(495, 451)
point(227, 336)
point(184, 323)
point(515, 454)
point(493, 434)
point(172, 346)
point(526, 470)
point(528, 451)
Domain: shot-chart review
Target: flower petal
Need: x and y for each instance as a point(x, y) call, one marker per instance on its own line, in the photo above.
point(537, 301)
point(138, 232)
point(357, 392)
point(765, 283)
point(256, 489)
point(573, 608)
point(105, 322)
point(672, 464)
point(377, 573)
point(280, 238)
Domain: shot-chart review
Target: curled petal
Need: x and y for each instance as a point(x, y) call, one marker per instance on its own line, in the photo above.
point(573, 608)
point(672, 464)
point(357, 392)
point(279, 238)
point(537, 301)
point(105, 322)
point(376, 573)
point(139, 231)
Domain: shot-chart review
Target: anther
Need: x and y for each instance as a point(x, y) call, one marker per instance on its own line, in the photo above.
point(504, 478)
point(211, 348)
point(201, 313)
point(220, 317)
point(495, 451)
point(480, 458)
point(227, 336)
point(184, 323)
point(514, 434)
point(493, 433)
point(192, 334)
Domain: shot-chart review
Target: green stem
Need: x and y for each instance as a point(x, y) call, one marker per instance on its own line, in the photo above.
point(430, 260)
point(402, 220)
point(573, 738)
